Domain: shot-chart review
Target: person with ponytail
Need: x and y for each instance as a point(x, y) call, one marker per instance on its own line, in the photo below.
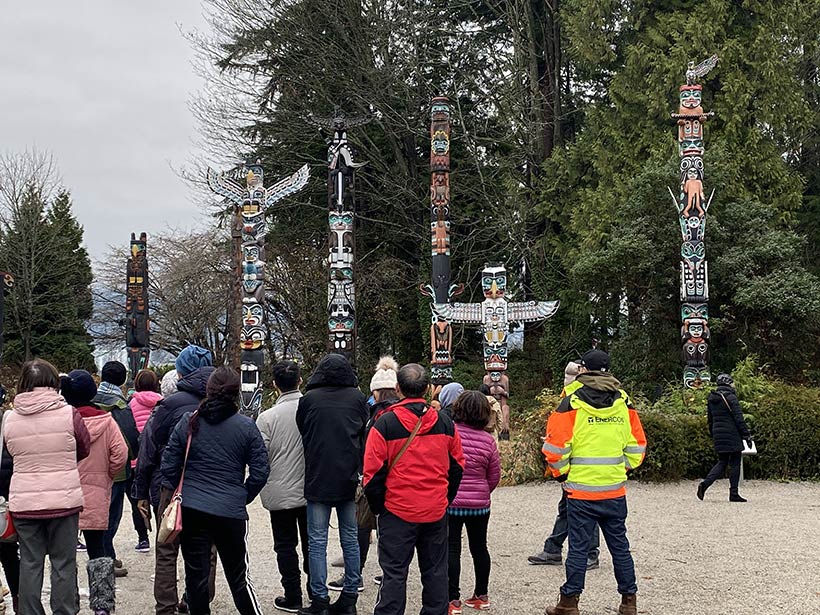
point(215, 492)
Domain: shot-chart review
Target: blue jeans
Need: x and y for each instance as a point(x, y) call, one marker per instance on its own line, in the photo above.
point(318, 520)
point(114, 517)
point(555, 541)
point(583, 517)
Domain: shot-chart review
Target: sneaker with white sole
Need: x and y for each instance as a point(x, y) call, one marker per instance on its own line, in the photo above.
point(478, 602)
point(339, 584)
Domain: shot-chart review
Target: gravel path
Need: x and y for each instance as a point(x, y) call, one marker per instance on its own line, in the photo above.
point(699, 558)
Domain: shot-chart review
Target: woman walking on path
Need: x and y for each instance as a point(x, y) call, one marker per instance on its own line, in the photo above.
point(46, 437)
point(9, 551)
point(471, 508)
point(215, 493)
point(728, 430)
point(107, 457)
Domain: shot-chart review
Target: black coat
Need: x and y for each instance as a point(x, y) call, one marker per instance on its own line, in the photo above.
point(158, 429)
point(726, 424)
point(331, 418)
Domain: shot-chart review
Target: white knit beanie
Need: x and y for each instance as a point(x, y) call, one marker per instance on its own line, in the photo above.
point(385, 376)
point(168, 386)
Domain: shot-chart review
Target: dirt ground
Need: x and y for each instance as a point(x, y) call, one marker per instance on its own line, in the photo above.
point(692, 557)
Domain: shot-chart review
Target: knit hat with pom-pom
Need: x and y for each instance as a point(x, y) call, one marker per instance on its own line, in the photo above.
point(385, 376)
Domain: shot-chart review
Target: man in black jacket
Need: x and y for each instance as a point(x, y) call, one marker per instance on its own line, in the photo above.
point(331, 418)
point(194, 368)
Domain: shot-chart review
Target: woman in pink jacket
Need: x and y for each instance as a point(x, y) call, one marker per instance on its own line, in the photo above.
point(108, 455)
point(471, 508)
point(146, 396)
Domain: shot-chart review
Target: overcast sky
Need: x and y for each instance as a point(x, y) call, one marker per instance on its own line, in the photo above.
point(105, 85)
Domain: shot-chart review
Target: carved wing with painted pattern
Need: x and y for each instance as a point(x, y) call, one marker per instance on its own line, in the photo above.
point(287, 186)
point(465, 313)
point(226, 187)
point(531, 311)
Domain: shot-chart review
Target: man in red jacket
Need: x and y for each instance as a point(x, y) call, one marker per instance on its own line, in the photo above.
point(413, 464)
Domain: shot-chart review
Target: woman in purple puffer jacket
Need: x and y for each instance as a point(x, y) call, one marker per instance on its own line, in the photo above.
point(471, 508)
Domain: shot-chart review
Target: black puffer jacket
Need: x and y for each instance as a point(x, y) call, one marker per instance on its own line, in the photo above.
point(331, 418)
point(158, 429)
point(726, 424)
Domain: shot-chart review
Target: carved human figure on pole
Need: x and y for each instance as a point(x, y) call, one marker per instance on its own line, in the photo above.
point(253, 201)
point(137, 321)
point(494, 315)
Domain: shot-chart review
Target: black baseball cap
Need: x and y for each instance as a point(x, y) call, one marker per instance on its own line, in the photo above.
point(595, 361)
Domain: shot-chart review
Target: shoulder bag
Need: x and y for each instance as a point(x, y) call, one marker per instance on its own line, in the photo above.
point(170, 523)
point(7, 531)
point(747, 450)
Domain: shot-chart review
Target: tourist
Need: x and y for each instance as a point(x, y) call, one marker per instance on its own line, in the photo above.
point(111, 399)
point(46, 437)
point(193, 365)
point(146, 397)
point(284, 493)
point(331, 418)
point(554, 544)
point(168, 386)
point(9, 550)
point(447, 396)
point(471, 508)
point(593, 439)
point(107, 457)
point(728, 430)
point(383, 392)
point(215, 493)
point(420, 450)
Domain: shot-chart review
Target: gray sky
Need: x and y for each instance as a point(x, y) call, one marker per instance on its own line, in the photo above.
point(104, 85)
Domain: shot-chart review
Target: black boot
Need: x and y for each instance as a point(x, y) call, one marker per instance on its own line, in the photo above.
point(101, 585)
point(345, 605)
point(702, 490)
point(318, 606)
point(735, 497)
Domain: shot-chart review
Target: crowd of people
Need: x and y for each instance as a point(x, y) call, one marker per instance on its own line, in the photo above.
point(419, 474)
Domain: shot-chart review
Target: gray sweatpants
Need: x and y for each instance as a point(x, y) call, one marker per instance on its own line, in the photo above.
point(56, 538)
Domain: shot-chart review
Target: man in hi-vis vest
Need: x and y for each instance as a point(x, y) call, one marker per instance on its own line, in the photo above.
point(593, 439)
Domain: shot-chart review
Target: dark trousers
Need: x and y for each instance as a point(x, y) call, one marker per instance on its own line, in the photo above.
point(398, 540)
point(114, 516)
point(555, 541)
point(364, 545)
point(202, 530)
point(136, 516)
point(724, 459)
point(477, 539)
point(289, 529)
point(10, 558)
point(94, 543)
point(610, 516)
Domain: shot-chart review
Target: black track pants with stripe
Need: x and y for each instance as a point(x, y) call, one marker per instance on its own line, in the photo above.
point(200, 531)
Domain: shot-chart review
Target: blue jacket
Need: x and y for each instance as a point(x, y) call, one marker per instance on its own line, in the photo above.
point(221, 449)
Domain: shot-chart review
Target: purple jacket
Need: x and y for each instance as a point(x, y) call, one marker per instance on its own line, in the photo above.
point(482, 468)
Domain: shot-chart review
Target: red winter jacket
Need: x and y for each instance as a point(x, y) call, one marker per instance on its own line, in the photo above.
point(426, 478)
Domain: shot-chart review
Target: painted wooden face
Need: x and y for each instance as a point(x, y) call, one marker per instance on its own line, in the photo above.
point(494, 282)
point(690, 96)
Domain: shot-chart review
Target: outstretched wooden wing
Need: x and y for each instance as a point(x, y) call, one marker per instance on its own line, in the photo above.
point(287, 186)
point(531, 311)
point(226, 187)
point(703, 68)
point(465, 313)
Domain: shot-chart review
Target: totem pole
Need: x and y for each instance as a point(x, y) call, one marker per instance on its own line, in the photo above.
point(441, 289)
point(494, 315)
point(341, 289)
point(6, 284)
point(137, 323)
point(253, 202)
point(692, 206)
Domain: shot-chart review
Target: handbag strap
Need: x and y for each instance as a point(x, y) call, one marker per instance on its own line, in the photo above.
point(406, 444)
point(187, 450)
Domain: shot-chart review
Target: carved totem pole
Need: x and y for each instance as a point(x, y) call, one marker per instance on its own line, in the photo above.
point(253, 202)
point(137, 323)
point(494, 315)
point(441, 289)
point(6, 284)
point(341, 288)
point(692, 206)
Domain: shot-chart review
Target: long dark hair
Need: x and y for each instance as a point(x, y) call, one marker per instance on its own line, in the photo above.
point(222, 397)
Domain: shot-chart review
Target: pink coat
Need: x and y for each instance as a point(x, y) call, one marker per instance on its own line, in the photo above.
point(482, 468)
point(108, 455)
point(40, 435)
point(142, 405)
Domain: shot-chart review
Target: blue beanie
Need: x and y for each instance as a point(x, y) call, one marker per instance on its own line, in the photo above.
point(78, 388)
point(449, 393)
point(191, 359)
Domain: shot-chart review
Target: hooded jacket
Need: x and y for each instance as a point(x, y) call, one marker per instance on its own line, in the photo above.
point(593, 438)
point(726, 423)
point(157, 431)
point(223, 444)
point(142, 405)
point(46, 437)
point(109, 397)
point(426, 478)
point(331, 418)
point(482, 468)
point(108, 455)
point(285, 488)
